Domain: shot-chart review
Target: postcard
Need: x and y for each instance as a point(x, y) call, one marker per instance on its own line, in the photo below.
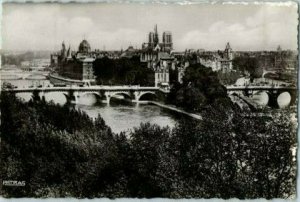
point(135, 99)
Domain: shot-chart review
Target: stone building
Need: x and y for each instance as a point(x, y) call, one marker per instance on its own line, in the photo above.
point(157, 56)
point(150, 51)
point(217, 60)
point(130, 52)
point(75, 65)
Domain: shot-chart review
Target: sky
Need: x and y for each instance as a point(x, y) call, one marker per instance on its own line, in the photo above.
point(114, 26)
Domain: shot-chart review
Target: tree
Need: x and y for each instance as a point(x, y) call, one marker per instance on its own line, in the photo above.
point(60, 151)
point(123, 71)
point(146, 143)
point(249, 64)
point(200, 86)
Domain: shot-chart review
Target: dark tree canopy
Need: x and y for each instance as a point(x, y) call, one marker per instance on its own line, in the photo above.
point(123, 71)
point(200, 87)
point(249, 64)
point(61, 152)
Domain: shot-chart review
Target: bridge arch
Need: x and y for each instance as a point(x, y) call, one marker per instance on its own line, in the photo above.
point(261, 97)
point(145, 94)
point(126, 95)
point(56, 97)
point(234, 93)
point(91, 93)
point(269, 73)
point(25, 96)
point(284, 99)
point(87, 98)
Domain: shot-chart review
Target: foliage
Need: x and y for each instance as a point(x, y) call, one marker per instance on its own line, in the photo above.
point(228, 78)
point(60, 152)
point(123, 71)
point(200, 86)
point(249, 64)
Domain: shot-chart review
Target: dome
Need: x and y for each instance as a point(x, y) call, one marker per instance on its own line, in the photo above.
point(84, 47)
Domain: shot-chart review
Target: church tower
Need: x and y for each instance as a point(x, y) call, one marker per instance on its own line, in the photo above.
point(228, 54)
point(63, 50)
point(167, 41)
point(156, 39)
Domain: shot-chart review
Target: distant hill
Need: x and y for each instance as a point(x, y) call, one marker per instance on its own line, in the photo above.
point(16, 57)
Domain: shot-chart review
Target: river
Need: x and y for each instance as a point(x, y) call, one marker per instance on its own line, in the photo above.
point(120, 117)
point(124, 117)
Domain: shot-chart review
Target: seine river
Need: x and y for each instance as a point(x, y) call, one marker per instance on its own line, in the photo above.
point(120, 117)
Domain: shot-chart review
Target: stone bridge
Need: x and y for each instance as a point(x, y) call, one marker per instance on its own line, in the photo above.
point(136, 93)
point(274, 92)
point(265, 72)
point(100, 93)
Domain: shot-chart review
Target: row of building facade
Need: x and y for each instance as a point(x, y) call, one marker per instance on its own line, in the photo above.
point(158, 54)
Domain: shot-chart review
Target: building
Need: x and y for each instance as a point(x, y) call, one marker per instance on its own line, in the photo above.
point(151, 49)
point(228, 54)
point(130, 52)
point(226, 61)
point(279, 60)
point(158, 56)
point(74, 65)
point(167, 42)
point(217, 60)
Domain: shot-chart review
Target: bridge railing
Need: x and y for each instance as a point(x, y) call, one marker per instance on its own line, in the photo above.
point(84, 88)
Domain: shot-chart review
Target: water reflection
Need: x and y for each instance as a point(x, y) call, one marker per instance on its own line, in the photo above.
point(122, 117)
point(56, 97)
point(284, 99)
point(261, 98)
point(87, 99)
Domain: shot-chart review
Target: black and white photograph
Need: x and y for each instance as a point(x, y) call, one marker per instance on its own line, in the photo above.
point(147, 100)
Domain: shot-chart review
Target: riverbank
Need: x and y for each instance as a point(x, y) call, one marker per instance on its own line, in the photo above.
point(173, 108)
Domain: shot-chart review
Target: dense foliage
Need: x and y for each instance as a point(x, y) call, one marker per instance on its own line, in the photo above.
point(200, 87)
point(248, 64)
point(228, 78)
point(60, 151)
point(123, 71)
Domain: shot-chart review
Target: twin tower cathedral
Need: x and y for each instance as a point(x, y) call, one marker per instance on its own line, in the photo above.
point(153, 41)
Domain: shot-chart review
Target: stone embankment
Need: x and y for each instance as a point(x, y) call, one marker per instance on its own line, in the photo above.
point(173, 108)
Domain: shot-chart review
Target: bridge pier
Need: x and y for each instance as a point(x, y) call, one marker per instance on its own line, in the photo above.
point(136, 97)
point(76, 97)
point(273, 99)
point(294, 96)
point(42, 95)
point(107, 98)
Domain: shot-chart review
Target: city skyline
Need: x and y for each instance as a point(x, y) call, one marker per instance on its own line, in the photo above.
point(116, 26)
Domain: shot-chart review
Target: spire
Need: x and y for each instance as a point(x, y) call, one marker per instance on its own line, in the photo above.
point(279, 48)
point(63, 50)
point(63, 45)
point(69, 52)
point(228, 46)
point(156, 40)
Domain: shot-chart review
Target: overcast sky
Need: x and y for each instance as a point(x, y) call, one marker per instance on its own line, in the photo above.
point(246, 27)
